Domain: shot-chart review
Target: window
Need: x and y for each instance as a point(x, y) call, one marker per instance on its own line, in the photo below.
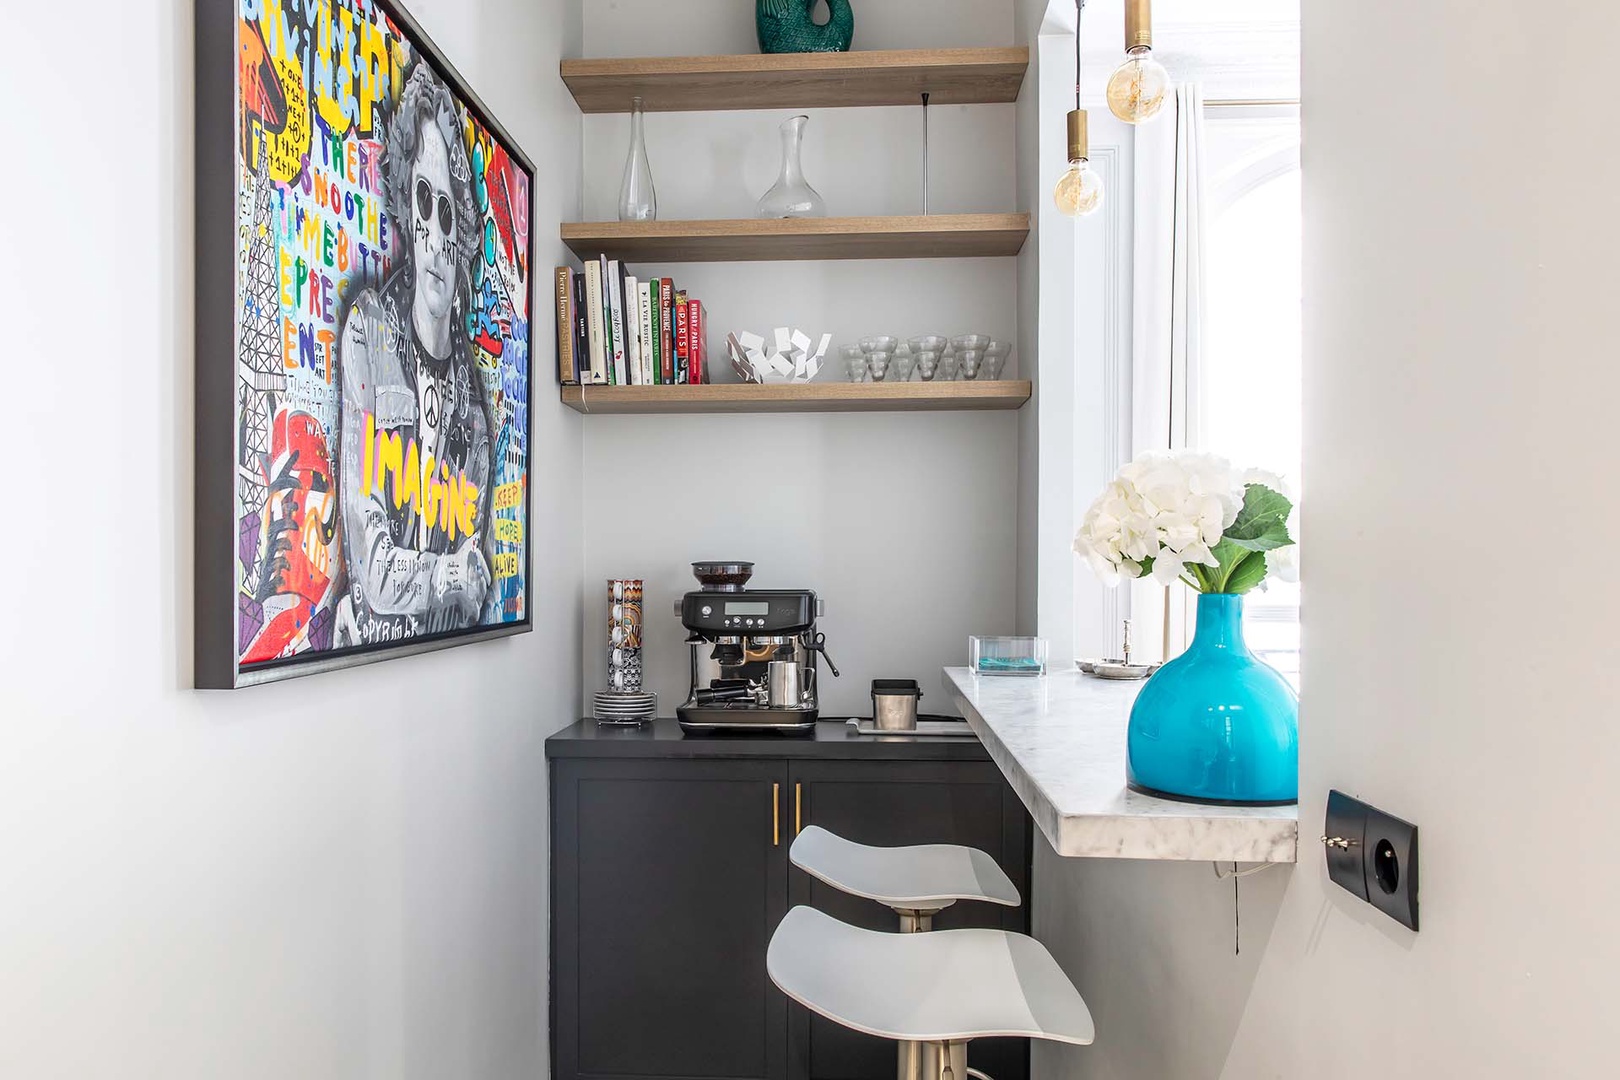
point(1249, 388)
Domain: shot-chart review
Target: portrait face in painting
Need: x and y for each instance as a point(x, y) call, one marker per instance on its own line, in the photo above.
point(434, 227)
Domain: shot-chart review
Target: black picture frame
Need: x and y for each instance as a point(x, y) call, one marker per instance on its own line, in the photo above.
point(216, 578)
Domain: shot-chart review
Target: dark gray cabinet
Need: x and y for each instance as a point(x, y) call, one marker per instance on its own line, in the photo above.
point(667, 885)
point(670, 872)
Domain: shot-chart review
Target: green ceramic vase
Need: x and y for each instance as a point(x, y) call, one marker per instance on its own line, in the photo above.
point(786, 26)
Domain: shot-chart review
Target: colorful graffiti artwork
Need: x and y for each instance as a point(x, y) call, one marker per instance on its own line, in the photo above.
point(382, 341)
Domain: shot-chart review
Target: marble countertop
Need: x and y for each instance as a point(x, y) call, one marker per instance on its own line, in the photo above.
point(1060, 740)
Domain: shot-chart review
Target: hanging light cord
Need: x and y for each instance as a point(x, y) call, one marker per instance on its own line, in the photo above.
point(1079, 11)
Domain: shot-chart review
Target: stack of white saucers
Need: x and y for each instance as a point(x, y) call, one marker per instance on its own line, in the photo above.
point(624, 706)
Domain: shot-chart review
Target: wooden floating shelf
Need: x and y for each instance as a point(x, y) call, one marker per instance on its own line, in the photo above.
point(798, 80)
point(773, 239)
point(804, 397)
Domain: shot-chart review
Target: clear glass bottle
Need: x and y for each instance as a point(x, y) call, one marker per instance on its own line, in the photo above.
point(791, 196)
point(637, 199)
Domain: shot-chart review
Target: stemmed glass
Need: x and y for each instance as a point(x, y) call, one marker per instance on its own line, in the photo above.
point(878, 351)
point(971, 349)
point(854, 358)
point(904, 361)
point(932, 357)
point(995, 357)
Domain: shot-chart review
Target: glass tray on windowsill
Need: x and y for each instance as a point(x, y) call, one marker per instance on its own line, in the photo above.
point(1011, 656)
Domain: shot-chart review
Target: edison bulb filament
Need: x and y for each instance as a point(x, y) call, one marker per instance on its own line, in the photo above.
point(1079, 191)
point(1136, 91)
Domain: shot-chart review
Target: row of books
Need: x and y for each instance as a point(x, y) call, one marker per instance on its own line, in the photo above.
point(614, 329)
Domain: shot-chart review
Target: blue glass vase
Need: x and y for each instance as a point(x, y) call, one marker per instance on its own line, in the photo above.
point(1216, 724)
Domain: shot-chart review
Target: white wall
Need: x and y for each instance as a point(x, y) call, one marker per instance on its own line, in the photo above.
point(714, 27)
point(1075, 295)
point(340, 876)
point(1028, 17)
point(904, 523)
point(1458, 389)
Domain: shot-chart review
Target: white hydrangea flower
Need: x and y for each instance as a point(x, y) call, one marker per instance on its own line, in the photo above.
point(1170, 507)
point(1283, 563)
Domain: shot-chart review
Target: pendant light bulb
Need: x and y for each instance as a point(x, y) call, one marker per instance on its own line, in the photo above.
point(1079, 191)
point(1136, 91)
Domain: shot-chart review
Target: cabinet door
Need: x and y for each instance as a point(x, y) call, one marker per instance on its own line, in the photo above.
point(669, 879)
point(887, 804)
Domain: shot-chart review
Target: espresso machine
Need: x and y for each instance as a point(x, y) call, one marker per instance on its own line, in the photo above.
point(753, 653)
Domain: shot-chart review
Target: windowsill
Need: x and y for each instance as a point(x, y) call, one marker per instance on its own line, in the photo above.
point(1060, 741)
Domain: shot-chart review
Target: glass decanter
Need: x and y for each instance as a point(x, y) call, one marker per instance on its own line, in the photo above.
point(637, 199)
point(791, 196)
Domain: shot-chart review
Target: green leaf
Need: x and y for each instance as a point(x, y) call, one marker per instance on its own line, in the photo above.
point(1230, 555)
point(1247, 574)
point(1262, 524)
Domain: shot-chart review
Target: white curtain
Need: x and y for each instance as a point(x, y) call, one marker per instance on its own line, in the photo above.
point(1167, 327)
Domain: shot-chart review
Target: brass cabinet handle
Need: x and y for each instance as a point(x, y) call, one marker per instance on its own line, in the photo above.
point(798, 808)
point(776, 815)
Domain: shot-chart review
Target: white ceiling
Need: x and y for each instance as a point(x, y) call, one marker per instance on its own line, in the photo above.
point(1235, 48)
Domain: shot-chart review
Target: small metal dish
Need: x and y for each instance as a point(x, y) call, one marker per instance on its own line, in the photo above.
point(1112, 669)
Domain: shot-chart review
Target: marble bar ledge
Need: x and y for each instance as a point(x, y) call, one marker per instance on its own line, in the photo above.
point(1060, 740)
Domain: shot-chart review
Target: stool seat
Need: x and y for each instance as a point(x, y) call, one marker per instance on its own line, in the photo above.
point(945, 986)
point(922, 876)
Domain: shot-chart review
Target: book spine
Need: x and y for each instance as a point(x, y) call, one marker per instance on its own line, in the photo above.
point(632, 330)
point(565, 326)
point(607, 320)
point(666, 300)
point(615, 300)
point(644, 312)
point(697, 345)
point(655, 289)
point(683, 332)
point(582, 340)
point(707, 375)
point(594, 324)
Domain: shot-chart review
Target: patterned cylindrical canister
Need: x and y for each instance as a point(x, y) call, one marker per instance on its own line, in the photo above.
point(624, 634)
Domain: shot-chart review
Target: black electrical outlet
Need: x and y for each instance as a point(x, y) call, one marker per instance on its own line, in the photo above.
point(1373, 855)
point(1390, 852)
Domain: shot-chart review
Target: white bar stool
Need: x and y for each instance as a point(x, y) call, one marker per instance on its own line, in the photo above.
point(940, 990)
point(916, 881)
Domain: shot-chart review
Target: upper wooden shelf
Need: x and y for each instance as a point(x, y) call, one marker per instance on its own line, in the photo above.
point(775, 239)
point(828, 396)
point(798, 80)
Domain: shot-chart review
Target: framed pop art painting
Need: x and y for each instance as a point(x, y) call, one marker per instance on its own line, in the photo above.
point(363, 343)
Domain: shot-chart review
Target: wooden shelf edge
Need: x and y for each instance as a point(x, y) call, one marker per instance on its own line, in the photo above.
point(964, 76)
point(806, 397)
point(781, 227)
point(750, 239)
